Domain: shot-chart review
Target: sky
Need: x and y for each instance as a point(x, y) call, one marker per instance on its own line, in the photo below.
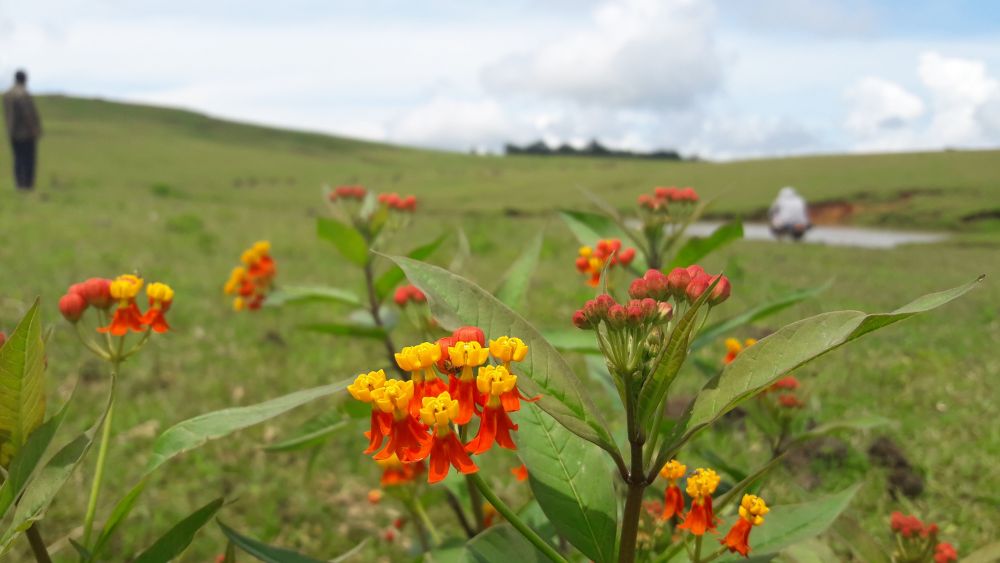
point(721, 79)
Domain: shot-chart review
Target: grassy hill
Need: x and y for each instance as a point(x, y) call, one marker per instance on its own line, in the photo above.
point(176, 196)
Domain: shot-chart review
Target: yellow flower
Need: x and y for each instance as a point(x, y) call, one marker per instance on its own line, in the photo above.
point(468, 354)
point(733, 346)
point(160, 292)
point(439, 411)
point(702, 484)
point(126, 287)
point(236, 278)
point(239, 304)
point(495, 380)
point(506, 349)
point(393, 397)
point(419, 357)
point(752, 509)
point(365, 384)
point(586, 251)
point(673, 470)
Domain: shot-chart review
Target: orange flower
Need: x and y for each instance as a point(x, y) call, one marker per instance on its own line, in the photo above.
point(506, 350)
point(445, 449)
point(520, 472)
point(673, 500)
point(127, 315)
point(752, 511)
point(407, 437)
point(733, 348)
point(161, 296)
point(466, 355)
point(591, 261)
point(419, 360)
point(381, 422)
point(395, 472)
point(700, 486)
point(252, 282)
point(495, 424)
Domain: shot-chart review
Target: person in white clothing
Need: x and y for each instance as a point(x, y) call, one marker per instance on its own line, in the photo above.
point(789, 214)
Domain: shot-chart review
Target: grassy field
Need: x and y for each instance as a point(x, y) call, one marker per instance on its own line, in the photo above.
point(177, 196)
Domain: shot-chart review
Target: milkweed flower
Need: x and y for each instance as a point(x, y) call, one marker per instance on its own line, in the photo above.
point(408, 293)
point(161, 296)
point(495, 424)
point(395, 472)
point(520, 472)
point(348, 192)
point(591, 261)
point(751, 513)
point(700, 487)
point(381, 422)
point(445, 449)
point(944, 552)
point(419, 360)
point(253, 281)
point(466, 356)
point(127, 315)
point(407, 437)
point(734, 347)
point(506, 350)
point(673, 500)
point(72, 306)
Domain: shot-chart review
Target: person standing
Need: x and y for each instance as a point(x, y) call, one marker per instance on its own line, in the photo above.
point(24, 128)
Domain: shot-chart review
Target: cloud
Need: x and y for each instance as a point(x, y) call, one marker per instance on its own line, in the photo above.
point(633, 54)
point(457, 124)
point(878, 106)
point(741, 136)
point(963, 96)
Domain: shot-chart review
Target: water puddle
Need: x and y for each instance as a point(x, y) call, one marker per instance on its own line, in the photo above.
point(833, 236)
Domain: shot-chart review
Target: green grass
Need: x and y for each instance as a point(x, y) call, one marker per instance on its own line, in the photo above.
point(176, 196)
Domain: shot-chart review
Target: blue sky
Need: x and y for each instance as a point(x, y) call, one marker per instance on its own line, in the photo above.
point(720, 78)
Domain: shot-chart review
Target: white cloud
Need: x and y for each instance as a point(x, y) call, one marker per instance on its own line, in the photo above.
point(878, 106)
point(457, 124)
point(740, 136)
point(962, 94)
point(635, 53)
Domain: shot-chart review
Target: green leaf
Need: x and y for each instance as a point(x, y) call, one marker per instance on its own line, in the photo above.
point(861, 541)
point(199, 430)
point(573, 340)
point(178, 538)
point(286, 295)
point(391, 278)
point(787, 349)
point(544, 372)
point(724, 328)
point(588, 228)
point(572, 482)
point(348, 241)
point(25, 463)
point(118, 515)
point(314, 432)
point(697, 248)
point(262, 551)
point(788, 524)
point(22, 378)
point(345, 329)
point(515, 282)
point(859, 423)
point(987, 554)
point(504, 543)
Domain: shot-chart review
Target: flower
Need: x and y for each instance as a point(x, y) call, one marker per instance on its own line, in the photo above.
point(348, 192)
point(407, 437)
point(161, 296)
point(945, 552)
point(97, 292)
point(445, 449)
point(495, 424)
point(752, 511)
point(673, 500)
point(470, 334)
point(790, 401)
point(700, 487)
point(381, 422)
point(591, 261)
point(252, 282)
point(127, 316)
point(467, 356)
point(374, 496)
point(72, 306)
point(520, 472)
point(395, 472)
point(506, 349)
point(419, 360)
point(734, 347)
point(407, 293)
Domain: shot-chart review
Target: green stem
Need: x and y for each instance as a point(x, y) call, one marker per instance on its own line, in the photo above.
point(38, 548)
point(515, 520)
point(102, 454)
point(373, 308)
point(90, 345)
point(418, 509)
point(697, 549)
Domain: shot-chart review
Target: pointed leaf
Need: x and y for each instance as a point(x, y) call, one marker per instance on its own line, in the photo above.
point(286, 295)
point(314, 432)
point(22, 384)
point(572, 482)
point(348, 241)
point(544, 372)
point(345, 329)
point(262, 551)
point(118, 515)
point(790, 347)
point(504, 543)
point(391, 278)
point(197, 431)
point(178, 538)
point(515, 282)
point(697, 248)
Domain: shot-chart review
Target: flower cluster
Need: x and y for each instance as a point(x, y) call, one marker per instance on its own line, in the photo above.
point(407, 294)
point(662, 197)
point(915, 540)
point(102, 294)
point(397, 202)
point(734, 347)
point(591, 261)
point(253, 281)
point(348, 192)
point(784, 391)
point(701, 485)
point(420, 416)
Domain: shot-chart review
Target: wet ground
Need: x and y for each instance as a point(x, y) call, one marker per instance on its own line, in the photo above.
point(829, 235)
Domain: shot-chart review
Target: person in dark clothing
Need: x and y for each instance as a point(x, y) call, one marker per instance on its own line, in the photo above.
point(24, 128)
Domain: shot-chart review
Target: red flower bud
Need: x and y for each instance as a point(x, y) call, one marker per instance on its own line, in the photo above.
point(789, 383)
point(408, 203)
point(677, 281)
point(402, 296)
point(617, 316)
point(665, 311)
point(638, 290)
point(635, 312)
point(444, 364)
point(582, 321)
point(470, 334)
point(790, 401)
point(687, 194)
point(97, 292)
point(72, 306)
point(646, 201)
point(656, 285)
point(663, 193)
point(360, 192)
point(720, 292)
point(582, 264)
point(77, 288)
point(697, 286)
point(603, 248)
point(416, 295)
point(695, 270)
point(626, 256)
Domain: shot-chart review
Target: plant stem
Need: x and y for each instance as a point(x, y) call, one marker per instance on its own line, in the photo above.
point(418, 523)
point(515, 520)
point(456, 507)
point(37, 544)
point(102, 453)
point(630, 525)
point(373, 308)
point(418, 508)
point(476, 502)
point(697, 549)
